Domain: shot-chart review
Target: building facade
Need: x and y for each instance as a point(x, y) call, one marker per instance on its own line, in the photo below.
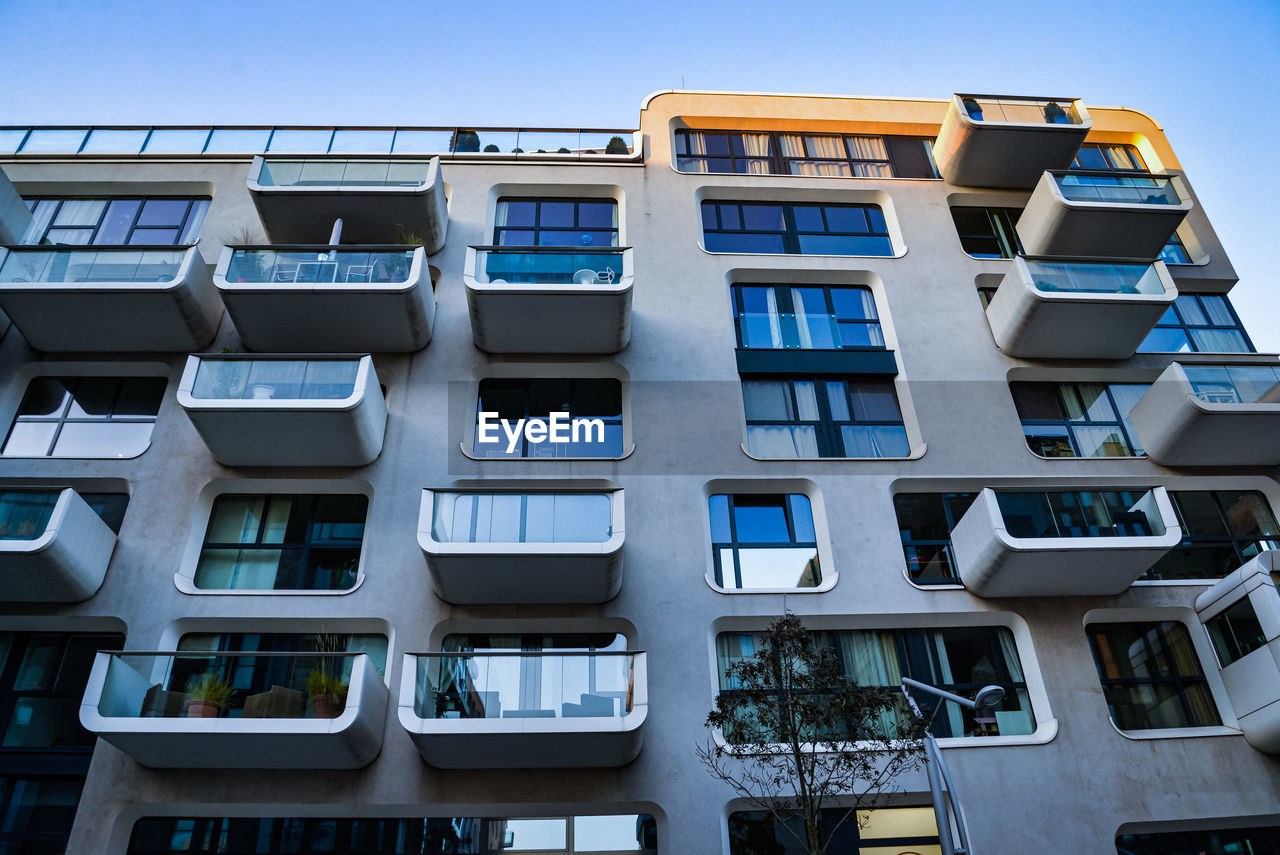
point(409, 489)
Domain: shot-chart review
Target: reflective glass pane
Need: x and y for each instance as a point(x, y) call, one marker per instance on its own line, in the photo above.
point(177, 140)
point(54, 140)
point(362, 141)
point(115, 141)
point(250, 140)
point(309, 141)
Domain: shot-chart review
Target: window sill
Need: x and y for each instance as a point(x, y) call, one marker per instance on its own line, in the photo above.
point(827, 585)
point(1175, 732)
point(916, 454)
point(798, 255)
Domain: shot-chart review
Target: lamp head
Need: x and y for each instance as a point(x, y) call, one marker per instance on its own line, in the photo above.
point(988, 697)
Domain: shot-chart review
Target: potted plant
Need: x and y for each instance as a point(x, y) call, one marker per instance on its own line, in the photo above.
point(464, 141)
point(328, 692)
point(207, 694)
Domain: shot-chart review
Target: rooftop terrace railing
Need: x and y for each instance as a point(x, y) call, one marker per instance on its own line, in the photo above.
point(247, 140)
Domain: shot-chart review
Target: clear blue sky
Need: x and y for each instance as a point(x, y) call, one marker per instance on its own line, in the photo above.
point(1210, 72)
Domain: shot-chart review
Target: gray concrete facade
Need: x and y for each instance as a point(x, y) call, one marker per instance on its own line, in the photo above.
point(1066, 788)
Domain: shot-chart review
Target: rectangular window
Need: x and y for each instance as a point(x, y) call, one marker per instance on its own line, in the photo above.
point(874, 832)
point(593, 422)
point(275, 379)
point(823, 417)
point(795, 228)
point(1221, 530)
point(988, 232)
point(1254, 841)
point(1235, 632)
point(806, 317)
point(282, 542)
point(1151, 676)
point(42, 680)
point(1110, 157)
point(1078, 419)
point(115, 221)
point(522, 517)
point(569, 835)
point(108, 417)
point(955, 659)
point(537, 221)
point(925, 521)
point(1198, 323)
point(764, 541)
point(784, 153)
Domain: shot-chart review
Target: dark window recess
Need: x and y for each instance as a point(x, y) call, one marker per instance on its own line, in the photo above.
point(823, 417)
point(112, 221)
point(1221, 530)
point(283, 541)
point(1073, 513)
point(1199, 323)
point(536, 399)
point(796, 228)
point(399, 836)
point(1078, 419)
point(785, 153)
point(1263, 840)
point(44, 752)
point(988, 232)
point(756, 832)
point(1151, 676)
point(85, 417)
point(1235, 632)
point(764, 541)
point(537, 221)
point(925, 521)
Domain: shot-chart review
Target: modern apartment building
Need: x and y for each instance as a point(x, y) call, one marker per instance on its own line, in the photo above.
point(408, 490)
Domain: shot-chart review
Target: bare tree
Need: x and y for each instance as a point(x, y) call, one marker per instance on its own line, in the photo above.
point(801, 735)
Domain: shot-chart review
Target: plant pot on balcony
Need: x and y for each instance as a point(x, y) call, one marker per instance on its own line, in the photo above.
point(328, 706)
point(200, 708)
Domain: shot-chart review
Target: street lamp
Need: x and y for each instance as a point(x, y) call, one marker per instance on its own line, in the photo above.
point(987, 697)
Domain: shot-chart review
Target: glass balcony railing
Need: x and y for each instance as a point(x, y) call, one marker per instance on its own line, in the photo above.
point(1085, 513)
point(794, 331)
point(986, 108)
point(255, 140)
point(1235, 384)
point(519, 265)
point(1084, 277)
point(343, 173)
point(247, 685)
point(525, 684)
point(522, 517)
point(1083, 186)
point(92, 264)
point(320, 265)
point(25, 515)
point(276, 379)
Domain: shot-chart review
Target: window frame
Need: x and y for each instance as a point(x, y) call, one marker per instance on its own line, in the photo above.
point(202, 517)
point(776, 163)
point(1068, 424)
point(790, 235)
point(537, 228)
point(1238, 542)
point(64, 417)
point(540, 371)
point(191, 223)
point(1187, 329)
point(1045, 722)
point(1001, 220)
point(736, 546)
point(786, 305)
point(1203, 651)
point(828, 437)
